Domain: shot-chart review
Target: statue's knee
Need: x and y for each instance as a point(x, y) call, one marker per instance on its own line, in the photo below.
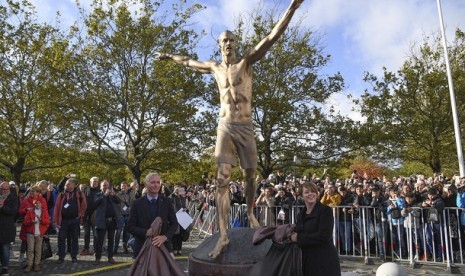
point(222, 181)
point(223, 177)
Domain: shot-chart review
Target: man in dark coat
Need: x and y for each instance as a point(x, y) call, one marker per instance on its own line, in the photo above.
point(144, 211)
point(88, 226)
point(107, 219)
point(8, 209)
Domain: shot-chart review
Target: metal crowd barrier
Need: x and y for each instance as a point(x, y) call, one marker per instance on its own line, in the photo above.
point(413, 238)
point(366, 232)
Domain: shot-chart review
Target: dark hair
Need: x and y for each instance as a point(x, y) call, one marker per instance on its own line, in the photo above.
point(432, 191)
point(409, 195)
point(73, 180)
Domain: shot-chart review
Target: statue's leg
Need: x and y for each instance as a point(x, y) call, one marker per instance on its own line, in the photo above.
point(249, 193)
point(222, 202)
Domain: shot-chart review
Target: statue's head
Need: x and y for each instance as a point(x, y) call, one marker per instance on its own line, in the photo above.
point(227, 43)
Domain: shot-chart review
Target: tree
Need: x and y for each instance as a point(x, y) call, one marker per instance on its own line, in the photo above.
point(289, 93)
point(409, 112)
point(30, 125)
point(137, 112)
point(367, 168)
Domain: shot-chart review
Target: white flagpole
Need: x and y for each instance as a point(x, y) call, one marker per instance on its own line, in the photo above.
point(452, 94)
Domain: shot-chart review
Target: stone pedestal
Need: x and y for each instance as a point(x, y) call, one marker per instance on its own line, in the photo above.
point(236, 260)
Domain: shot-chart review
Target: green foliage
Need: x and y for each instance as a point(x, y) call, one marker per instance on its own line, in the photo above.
point(409, 112)
point(97, 102)
point(86, 165)
point(413, 168)
point(137, 112)
point(192, 172)
point(30, 122)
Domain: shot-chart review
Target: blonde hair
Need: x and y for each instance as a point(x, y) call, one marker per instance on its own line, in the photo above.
point(36, 189)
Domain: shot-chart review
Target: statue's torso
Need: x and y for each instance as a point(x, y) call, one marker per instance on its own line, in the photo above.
point(235, 86)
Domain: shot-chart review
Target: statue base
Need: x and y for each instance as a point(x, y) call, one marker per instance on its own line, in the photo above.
point(236, 260)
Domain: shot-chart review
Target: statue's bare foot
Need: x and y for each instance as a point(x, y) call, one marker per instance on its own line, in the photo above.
point(220, 246)
point(254, 222)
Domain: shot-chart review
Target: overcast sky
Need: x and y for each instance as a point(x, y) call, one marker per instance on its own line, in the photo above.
point(360, 35)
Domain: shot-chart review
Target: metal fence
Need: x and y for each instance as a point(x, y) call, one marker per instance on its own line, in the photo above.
point(413, 236)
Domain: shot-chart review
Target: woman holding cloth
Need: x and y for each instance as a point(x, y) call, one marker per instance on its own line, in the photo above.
point(313, 234)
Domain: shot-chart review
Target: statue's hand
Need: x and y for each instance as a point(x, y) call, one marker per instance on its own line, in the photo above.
point(296, 3)
point(161, 56)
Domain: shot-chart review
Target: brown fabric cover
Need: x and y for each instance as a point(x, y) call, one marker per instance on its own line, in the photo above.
point(153, 260)
point(284, 256)
point(280, 234)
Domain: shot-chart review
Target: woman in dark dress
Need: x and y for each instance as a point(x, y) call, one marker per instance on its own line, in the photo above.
point(313, 235)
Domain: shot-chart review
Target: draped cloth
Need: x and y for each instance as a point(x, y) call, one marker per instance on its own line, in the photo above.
point(284, 256)
point(153, 260)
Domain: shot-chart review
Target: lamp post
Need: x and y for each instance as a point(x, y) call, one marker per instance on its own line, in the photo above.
point(295, 161)
point(452, 94)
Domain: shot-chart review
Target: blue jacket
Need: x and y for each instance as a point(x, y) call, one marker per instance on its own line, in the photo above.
point(399, 203)
point(461, 204)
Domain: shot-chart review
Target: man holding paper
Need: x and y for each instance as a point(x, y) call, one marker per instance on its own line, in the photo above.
point(179, 202)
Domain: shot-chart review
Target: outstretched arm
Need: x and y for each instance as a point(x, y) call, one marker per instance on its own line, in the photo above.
point(203, 67)
point(261, 48)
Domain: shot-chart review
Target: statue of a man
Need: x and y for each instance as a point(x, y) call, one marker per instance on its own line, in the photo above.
point(235, 130)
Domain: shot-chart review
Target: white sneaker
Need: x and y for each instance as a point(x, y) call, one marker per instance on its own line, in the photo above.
point(21, 258)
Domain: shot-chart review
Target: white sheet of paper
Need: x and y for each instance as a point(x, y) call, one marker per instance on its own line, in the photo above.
point(183, 218)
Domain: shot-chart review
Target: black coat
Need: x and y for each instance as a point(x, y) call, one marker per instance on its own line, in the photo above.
point(139, 220)
point(7, 218)
point(91, 194)
point(314, 237)
point(100, 205)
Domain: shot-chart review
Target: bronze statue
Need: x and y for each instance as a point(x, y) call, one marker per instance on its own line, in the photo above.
point(235, 130)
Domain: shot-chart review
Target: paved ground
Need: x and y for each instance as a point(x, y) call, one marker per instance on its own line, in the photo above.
point(85, 266)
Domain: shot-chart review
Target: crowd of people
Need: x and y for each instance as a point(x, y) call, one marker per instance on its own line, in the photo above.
point(409, 212)
point(98, 210)
point(392, 211)
point(102, 212)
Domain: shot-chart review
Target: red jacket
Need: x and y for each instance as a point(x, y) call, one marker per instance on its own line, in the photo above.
point(44, 222)
point(25, 204)
point(28, 203)
point(81, 202)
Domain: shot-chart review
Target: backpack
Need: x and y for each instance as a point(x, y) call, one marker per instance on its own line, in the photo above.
point(395, 213)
